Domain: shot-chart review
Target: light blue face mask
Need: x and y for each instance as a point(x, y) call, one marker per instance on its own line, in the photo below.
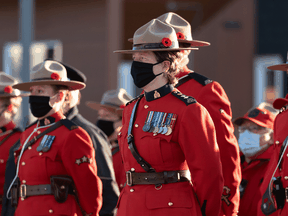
point(249, 143)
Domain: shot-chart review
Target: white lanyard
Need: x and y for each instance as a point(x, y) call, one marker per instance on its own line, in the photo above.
point(22, 150)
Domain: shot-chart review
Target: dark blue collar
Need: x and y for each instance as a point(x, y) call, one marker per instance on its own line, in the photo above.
point(158, 93)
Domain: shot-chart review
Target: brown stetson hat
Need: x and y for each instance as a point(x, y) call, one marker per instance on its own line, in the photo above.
point(112, 100)
point(6, 83)
point(49, 72)
point(155, 36)
point(281, 67)
point(182, 28)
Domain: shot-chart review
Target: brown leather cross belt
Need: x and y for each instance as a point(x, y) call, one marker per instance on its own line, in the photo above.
point(34, 190)
point(165, 177)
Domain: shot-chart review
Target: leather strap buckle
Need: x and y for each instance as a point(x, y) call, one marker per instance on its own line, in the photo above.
point(23, 191)
point(129, 180)
point(286, 194)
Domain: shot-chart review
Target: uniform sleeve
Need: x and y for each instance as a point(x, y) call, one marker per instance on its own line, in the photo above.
point(198, 142)
point(215, 100)
point(79, 160)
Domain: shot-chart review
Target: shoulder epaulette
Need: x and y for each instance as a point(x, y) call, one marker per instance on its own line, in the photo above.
point(17, 130)
point(31, 124)
point(186, 99)
point(197, 77)
point(135, 99)
point(69, 124)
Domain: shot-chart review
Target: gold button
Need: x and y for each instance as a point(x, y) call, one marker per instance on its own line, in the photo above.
point(146, 106)
point(119, 133)
point(136, 125)
point(23, 163)
point(40, 153)
point(170, 204)
point(22, 199)
point(155, 134)
point(132, 169)
point(51, 211)
point(29, 147)
point(131, 190)
point(14, 153)
point(24, 181)
point(221, 111)
point(286, 177)
point(277, 142)
point(287, 155)
point(38, 132)
point(121, 185)
point(1, 161)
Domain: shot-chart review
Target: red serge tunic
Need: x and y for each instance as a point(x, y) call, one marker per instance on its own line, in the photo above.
point(118, 168)
point(4, 152)
point(253, 173)
point(212, 96)
point(191, 146)
point(72, 154)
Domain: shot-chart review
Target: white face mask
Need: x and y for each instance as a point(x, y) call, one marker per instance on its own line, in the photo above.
point(249, 143)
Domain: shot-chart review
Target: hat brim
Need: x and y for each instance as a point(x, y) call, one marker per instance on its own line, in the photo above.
point(72, 85)
point(97, 106)
point(151, 50)
point(281, 67)
point(280, 102)
point(14, 95)
point(193, 42)
point(239, 121)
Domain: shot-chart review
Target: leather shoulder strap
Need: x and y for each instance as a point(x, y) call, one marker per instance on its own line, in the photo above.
point(9, 135)
point(144, 164)
point(115, 150)
point(198, 77)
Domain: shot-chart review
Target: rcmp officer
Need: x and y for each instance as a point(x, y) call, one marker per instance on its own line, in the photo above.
point(278, 169)
point(255, 142)
point(103, 156)
point(212, 96)
point(110, 121)
point(10, 101)
point(56, 166)
point(165, 136)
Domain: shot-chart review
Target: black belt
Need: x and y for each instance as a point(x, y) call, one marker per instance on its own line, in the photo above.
point(34, 190)
point(157, 178)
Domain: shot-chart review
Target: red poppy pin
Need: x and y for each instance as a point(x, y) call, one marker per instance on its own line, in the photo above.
point(166, 42)
point(55, 76)
point(180, 36)
point(8, 89)
point(10, 108)
point(122, 106)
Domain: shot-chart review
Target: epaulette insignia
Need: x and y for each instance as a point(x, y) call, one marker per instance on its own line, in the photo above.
point(31, 124)
point(69, 124)
point(200, 78)
point(135, 99)
point(186, 99)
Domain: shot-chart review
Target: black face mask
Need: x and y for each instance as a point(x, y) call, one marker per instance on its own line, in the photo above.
point(106, 126)
point(142, 73)
point(39, 105)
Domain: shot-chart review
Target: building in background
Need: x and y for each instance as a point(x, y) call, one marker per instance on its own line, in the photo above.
point(90, 30)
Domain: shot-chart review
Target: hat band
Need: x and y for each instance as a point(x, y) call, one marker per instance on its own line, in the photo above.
point(110, 104)
point(153, 46)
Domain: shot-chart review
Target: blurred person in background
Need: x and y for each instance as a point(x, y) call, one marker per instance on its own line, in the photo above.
point(101, 145)
point(110, 122)
point(277, 171)
point(167, 140)
point(212, 96)
point(10, 101)
point(56, 171)
point(255, 141)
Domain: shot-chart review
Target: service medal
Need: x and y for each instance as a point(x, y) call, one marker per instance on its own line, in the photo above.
point(147, 124)
point(169, 131)
point(154, 120)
